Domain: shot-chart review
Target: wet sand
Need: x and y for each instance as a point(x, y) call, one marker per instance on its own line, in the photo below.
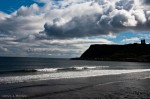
point(124, 86)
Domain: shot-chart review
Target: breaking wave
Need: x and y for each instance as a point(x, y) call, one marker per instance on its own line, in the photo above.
point(55, 69)
point(66, 75)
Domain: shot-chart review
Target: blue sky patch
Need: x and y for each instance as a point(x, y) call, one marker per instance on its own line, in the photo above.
point(9, 6)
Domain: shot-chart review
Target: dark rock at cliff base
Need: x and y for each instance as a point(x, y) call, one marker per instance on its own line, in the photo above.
point(129, 52)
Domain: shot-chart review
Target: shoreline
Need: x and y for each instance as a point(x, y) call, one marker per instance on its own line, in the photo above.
point(132, 85)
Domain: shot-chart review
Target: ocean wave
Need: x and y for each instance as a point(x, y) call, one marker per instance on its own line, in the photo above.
point(65, 69)
point(47, 70)
point(66, 75)
point(75, 68)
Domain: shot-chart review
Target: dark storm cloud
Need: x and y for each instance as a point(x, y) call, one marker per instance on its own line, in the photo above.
point(147, 2)
point(116, 16)
point(77, 19)
point(77, 27)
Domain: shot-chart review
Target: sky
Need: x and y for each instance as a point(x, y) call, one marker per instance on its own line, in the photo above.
point(66, 28)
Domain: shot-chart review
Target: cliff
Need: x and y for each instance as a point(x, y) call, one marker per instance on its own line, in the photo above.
point(129, 52)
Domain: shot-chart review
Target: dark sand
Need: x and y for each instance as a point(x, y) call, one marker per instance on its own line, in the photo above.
point(124, 86)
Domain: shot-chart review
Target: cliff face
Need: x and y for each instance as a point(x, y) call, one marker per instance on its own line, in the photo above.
point(130, 52)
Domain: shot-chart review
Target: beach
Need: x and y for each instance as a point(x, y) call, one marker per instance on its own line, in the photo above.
point(40, 78)
point(121, 86)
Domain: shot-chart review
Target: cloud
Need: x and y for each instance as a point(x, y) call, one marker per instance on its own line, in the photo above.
point(77, 41)
point(124, 4)
point(3, 16)
point(147, 2)
point(64, 48)
point(27, 11)
point(77, 27)
point(61, 27)
point(110, 17)
point(3, 49)
point(131, 40)
point(48, 47)
point(76, 18)
point(24, 21)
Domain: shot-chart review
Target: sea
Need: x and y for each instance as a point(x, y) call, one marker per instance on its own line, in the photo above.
point(25, 69)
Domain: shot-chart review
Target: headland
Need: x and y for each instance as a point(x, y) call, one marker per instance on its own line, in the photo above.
point(137, 52)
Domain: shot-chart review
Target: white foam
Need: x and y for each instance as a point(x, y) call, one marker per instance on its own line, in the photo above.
point(62, 75)
point(85, 67)
point(88, 67)
point(47, 70)
point(72, 68)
